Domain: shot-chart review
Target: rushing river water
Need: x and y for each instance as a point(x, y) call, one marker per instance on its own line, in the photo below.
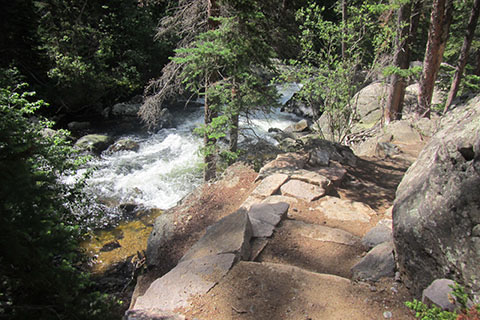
point(165, 169)
point(167, 165)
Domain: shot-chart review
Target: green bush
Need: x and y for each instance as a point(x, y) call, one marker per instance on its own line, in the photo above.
point(40, 276)
point(464, 312)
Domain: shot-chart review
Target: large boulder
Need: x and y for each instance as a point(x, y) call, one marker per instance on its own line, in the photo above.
point(95, 143)
point(437, 207)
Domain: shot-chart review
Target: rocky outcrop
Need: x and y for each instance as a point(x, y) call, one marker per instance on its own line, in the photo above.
point(436, 211)
point(287, 223)
point(208, 260)
point(378, 263)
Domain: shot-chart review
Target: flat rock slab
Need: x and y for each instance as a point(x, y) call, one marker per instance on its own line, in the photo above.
point(251, 200)
point(230, 234)
point(259, 291)
point(378, 263)
point(319, 249)
point(278, 198)
point(322, 233)
point(312, 178)
point(335, 174)
point(152, 314)
point(345, 210)
point(302, 190)
point(264, 217)
point(270, 185)
point(188, 278)
point(283, 163)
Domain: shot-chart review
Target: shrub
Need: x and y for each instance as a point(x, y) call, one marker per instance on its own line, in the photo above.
point(40, 276)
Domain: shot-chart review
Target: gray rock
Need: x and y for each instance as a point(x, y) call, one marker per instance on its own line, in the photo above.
point(123, 145)
point(162, 232)
point(230, 234)
point(300, 126)
point(411, 97)
point(321, 150)
point(377, 235)
point(290, 145)
point(322, 233)
point(126, 109)
point(271, 213)
point(152, 314)
point(312, 177)
point(187, 279)
point(437, 293)
point(264, 217)
point(403, 131)
point(78, 126)
point(345, 210)
point(302, 190)
point(335, 173)
point(278, 198)
point(377, 264)
point(368, 103)
point(270, 185)
point(283, 163)
point(437, 206)
point(95, 143)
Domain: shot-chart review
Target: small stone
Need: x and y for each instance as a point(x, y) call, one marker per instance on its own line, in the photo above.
point(438, 293)
point(387, 315)
point(112, 245)
point(398, 276)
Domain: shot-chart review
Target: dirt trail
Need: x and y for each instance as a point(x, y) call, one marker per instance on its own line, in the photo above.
point(295, 276)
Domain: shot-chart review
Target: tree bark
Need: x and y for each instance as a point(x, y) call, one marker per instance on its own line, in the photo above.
point(440, 20)
point(401, 59)
point(233, 145)
point(462, 59)
point(210, 169)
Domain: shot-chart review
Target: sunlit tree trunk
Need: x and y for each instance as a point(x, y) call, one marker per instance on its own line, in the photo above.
point(440, 20)
point(210, 157)
point(462, 59)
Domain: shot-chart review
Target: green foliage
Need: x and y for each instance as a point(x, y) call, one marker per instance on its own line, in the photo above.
point(462, 298)
point(328, 75)
point(82, 54)
point(222, 65)
point(39, 257)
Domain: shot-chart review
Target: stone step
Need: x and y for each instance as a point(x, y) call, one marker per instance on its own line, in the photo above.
point(313, 247)
point(273, 291)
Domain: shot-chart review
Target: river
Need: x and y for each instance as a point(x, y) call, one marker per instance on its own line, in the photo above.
point(166, 168)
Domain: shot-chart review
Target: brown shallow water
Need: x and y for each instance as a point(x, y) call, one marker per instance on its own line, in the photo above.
point(125, 240)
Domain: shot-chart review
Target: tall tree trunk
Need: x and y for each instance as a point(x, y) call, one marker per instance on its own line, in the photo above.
point(209, 172)
point(401, 59)
point(440, 20)
point(233, 145)
point(462, 59)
